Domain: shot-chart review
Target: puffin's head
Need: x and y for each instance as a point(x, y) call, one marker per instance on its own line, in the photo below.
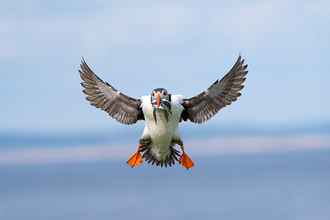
point(160, 99)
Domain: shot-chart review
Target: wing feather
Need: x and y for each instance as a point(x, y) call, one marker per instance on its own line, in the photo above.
point(202, 107)
point(102, 95)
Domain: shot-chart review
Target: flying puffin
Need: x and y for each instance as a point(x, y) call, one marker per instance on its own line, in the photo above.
point(162, 112)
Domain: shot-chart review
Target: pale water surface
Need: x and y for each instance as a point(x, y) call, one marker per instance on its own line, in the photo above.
point(248, 186)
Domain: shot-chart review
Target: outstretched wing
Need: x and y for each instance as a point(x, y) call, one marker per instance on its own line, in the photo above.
point(124, 109)
point(202, 107)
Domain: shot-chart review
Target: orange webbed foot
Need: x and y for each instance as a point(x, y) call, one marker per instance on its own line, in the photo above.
point(135, 159)
point(185, 160)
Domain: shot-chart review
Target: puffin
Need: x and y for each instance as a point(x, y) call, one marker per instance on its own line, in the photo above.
point(162, 112)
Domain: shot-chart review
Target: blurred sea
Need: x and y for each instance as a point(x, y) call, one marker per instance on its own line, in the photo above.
point(287, 185)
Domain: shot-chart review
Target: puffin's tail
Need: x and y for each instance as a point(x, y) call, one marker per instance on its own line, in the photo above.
point(169, 160)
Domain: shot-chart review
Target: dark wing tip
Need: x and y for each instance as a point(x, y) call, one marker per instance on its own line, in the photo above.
point(221, 93)
point(102, 95)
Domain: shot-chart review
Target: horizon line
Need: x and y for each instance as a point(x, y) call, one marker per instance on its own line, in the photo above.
point(210, 147)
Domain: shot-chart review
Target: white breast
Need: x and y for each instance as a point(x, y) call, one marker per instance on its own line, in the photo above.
point(162, 133)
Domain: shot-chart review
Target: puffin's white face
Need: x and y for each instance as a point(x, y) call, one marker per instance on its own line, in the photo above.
point(159, 95)
point(160, 99)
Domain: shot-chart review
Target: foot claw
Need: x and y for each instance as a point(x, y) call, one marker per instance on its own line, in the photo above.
point(135, 159)
point(185, 160)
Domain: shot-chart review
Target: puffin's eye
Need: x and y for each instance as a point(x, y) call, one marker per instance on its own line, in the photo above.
point(164, 92)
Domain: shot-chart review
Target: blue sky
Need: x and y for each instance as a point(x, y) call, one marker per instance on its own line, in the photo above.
point(183, 46)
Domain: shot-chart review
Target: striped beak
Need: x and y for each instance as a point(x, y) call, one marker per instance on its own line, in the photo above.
point(158, 99)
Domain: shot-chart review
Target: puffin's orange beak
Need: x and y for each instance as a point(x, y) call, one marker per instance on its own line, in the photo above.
point(158, 101)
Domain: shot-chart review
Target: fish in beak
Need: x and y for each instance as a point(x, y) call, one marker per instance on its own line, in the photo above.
point(160, 101)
